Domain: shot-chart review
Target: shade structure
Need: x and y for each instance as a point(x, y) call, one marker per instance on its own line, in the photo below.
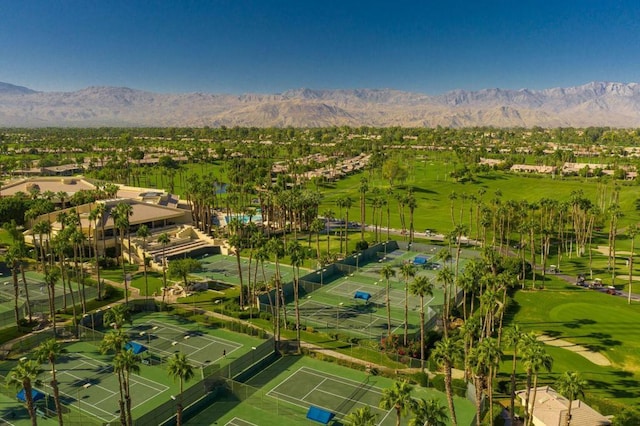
point(134, 347)
point(36, 395)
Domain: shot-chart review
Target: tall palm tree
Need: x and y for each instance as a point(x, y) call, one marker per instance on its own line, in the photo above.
point(127, 362)
point(484, 359)
point(528, 343)
point(121, 221)
point(12, 259)
point(51, 277)
point(164, 240)
point(22, 375)
point(632, 232)
point(180, 368)
point(571, 385)
point(94, 216)
point(387, 272)
point(364, 188)
point(407, 270)
point(236, 240)
point(536, 358)
point(49, 351)
point(429, 413)
point(329, 215)
point(347, 202)
point(298, 255)
point(398, 398)
point(143, 232)
point(113, 341)
point(446, 353)
point(513, 338)
point(446, 278)
point(361, 417)
point(421, 286)
point(276, 248)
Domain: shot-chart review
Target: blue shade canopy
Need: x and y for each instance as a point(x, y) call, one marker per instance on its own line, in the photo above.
point(134, 347)
point(362, 295)
point(36, 395)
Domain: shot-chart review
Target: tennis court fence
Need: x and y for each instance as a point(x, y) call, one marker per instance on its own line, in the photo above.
point(209, 389)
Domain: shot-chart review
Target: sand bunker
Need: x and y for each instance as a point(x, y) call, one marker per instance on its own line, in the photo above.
point(595, 357)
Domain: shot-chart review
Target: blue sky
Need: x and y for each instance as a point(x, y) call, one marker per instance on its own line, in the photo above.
point(240, 46)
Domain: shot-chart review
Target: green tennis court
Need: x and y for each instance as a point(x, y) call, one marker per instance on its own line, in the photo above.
point(361, 320)
point(165, 339)
point(91, 386)
point(225, 268)
point(236, 421)
point(307, 386)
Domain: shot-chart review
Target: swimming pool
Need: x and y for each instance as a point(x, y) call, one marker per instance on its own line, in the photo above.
point(257, 218)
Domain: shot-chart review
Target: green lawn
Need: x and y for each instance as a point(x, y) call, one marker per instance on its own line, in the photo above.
point(601, 322)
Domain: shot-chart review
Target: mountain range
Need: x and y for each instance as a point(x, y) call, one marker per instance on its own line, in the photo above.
point(592, 104)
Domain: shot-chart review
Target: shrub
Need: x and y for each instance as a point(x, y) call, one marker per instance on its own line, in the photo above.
point(438, 382)
point(421, 378)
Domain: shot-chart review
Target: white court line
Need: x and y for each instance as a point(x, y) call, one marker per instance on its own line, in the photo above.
point(243, 422)
point(134, 379)
point(206, 336)
point(314, 388)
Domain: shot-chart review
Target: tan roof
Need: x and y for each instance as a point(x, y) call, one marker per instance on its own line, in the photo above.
point(550, 408)
point(70, 185)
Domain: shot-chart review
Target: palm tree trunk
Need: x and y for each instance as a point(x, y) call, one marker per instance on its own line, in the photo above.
point(388, 302)
point(26, 292)
point(449, 390)
point(14, 272)
point(56, 392)
point(30, 408)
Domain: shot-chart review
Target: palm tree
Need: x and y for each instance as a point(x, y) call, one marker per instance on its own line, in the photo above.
point(12, 259)
point(361, 417)
point(347, 202)
point(49, 351)
point(117, 316)
point(446, 353)
point(445, 277)
point(124, 363)
point(422, 286)
point(329, 215)
point(397, 397)
point(298, 256)
point(51, 277)
point(513, 338)
point(22, 375)
point(632, 231)
point(317, 225)
point(535, 359)
point(164, 240)
point(484, 358)
point(180, 368)
point(236, 240)
point(571, 385)
point(121, 220)
point(429, 413)
point(143, 232)
point(114, 341)
point(387, 272)
point(276, 247)
point(94, 216)
point(407, 270)
point(528, 342)
point(364, 188)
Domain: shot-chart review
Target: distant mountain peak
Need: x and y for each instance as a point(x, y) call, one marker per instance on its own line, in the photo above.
point(597, 103)
point(11, 89)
